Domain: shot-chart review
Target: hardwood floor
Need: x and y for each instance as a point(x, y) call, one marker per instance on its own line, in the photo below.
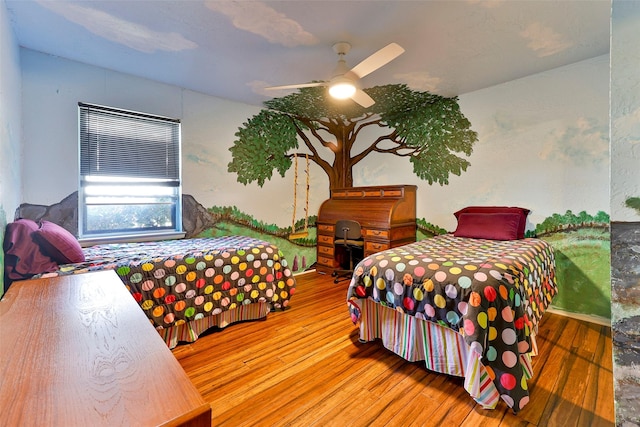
point(305, 367)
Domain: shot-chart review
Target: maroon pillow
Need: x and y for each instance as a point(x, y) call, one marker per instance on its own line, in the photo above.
point(494, 226)
point(499, 209)
point(58, 243)
point(23, 257)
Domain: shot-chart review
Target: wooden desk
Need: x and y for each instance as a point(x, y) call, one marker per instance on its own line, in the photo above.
point(78, 351)
point(387, 215)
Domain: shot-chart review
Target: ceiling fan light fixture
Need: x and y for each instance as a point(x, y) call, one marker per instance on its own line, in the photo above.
point(342, 88)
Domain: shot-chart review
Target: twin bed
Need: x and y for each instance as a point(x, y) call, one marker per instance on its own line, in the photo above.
point(184, 286)
point(466, 305)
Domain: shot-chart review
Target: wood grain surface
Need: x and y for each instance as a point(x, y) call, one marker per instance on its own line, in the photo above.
point(305, 367)
point(78, 351)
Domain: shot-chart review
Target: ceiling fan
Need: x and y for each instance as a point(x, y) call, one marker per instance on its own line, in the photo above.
point(344, 82)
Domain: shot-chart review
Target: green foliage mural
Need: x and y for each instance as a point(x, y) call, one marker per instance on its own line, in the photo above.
point(430, 130)
point(426, 230)
point(633, 203)
point(570, 221)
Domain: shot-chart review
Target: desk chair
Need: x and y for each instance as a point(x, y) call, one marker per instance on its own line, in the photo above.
point(348, 234)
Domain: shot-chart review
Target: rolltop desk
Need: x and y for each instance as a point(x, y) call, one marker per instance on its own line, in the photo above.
point(387, 216)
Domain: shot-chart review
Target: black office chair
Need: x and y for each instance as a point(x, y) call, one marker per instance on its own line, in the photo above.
point(348, 235)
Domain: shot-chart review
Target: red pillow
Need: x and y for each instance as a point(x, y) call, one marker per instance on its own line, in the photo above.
point(499, 209)
point(23, 257)
point(494, 226)
point(58, 243)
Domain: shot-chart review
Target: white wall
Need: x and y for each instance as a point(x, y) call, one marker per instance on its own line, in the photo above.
point(52, 89)
point(543, 144)
point(10, 126)
point(625, 110)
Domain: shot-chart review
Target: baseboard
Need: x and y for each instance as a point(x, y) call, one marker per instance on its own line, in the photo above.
point(300, 273)
point(579, 316)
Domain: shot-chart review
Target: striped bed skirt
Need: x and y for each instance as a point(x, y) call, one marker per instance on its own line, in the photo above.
point(190, 331)
point(442, 349)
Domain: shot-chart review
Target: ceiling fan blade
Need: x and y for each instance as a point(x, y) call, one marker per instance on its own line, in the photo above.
point(296, 86)
point(362, 98)
point(377, 60)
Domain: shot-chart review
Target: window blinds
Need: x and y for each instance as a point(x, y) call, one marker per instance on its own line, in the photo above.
point(119, 143)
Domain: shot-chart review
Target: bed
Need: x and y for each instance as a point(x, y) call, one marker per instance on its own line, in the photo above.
point(466, 306)
point(183, 286)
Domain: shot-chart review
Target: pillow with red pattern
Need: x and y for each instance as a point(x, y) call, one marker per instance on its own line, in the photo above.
point(494, 226)
point(522, 212)
point(58, 243)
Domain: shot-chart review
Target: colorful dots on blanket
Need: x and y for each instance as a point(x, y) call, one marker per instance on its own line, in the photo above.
point(429, 310)
point(508, 381)
point(469, 327)
point(490, 293)
point(464, 282)
point(452, 317)
point(409, 303)
point(482, 320)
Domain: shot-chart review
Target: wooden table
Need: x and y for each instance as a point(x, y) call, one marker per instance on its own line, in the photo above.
point(78, 351)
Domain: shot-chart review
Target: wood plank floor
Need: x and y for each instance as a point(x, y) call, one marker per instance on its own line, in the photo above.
point(305, 367)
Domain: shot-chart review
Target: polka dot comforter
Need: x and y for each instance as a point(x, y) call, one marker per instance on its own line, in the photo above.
point(177, 281)
point(492, 292)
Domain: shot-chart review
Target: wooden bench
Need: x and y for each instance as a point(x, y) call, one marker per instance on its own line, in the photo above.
point(78, 351)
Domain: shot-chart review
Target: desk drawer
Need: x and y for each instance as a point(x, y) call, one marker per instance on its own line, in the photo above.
point(326, 229)
point(325, 250)
point(376, 233)
point(372, 247)
point(325, 240)
point(326, 261)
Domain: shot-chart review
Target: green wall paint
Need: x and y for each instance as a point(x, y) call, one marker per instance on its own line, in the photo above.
point(583, 271)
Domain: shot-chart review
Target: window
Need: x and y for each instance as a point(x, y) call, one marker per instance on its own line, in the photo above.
point(129, 174)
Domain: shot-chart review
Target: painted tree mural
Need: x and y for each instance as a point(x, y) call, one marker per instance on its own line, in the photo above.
point(430, 130)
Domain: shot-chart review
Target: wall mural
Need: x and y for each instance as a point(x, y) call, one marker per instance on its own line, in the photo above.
point(430, 130)
point(580, 242)
point(633, 203)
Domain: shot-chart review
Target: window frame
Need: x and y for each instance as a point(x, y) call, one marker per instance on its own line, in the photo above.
point(96, 170)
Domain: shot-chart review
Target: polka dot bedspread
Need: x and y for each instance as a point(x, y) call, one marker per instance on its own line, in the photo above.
point(492, 292)
point(176, 281)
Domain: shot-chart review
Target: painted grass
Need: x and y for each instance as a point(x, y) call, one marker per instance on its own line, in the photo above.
point(298, 258)
point(583, 271)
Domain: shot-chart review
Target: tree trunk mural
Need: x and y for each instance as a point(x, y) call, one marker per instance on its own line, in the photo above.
point(428, 129)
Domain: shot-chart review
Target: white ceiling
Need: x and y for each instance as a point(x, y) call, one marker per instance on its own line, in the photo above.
point(233, 49)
